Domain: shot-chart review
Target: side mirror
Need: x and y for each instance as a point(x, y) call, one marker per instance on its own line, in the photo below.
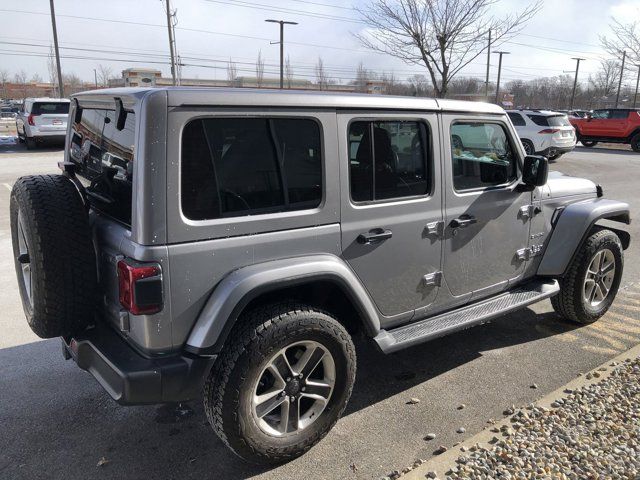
point(589, 117)
point(535, 171)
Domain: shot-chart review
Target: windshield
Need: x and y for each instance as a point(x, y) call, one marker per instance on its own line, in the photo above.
point(550, 120)
point(40, 108)
point(104, 156)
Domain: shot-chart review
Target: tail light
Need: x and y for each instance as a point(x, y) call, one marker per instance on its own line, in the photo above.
point(140, 287)
point(549, 131)
point(30, 120)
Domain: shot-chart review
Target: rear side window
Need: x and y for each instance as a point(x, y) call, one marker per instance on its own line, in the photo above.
point(393, 165)
point(248, 166)
point(41, 108)
point(619, 114)
point(550, 120)
point(104, 156)
point(516, 119)
point(482, 155)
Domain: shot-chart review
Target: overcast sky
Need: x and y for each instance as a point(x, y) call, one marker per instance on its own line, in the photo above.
point(209, 32)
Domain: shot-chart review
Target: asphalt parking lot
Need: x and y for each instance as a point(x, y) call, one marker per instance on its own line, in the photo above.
point(58, 422)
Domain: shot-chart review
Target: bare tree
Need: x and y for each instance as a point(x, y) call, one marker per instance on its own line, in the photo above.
point(288, 72)
point(104, 75)
point(625, 36)
point(259, 69)
point(72, 83)
point(4, 79)
point(232, 73)
point(605, 80)
point(21, 79)
point(444, 36)
point(36, 78)
point(363, 77)
point(53, 72)
point(321, 75)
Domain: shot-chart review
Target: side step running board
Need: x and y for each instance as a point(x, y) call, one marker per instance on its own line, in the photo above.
point(465, 317)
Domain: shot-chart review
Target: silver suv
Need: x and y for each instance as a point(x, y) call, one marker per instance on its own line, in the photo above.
point(229, 244)
point(42, 119)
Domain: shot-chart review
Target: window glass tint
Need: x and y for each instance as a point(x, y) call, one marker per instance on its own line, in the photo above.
point(104, 156)
point(40, 108)
point(516, 119)
point(393, 165)
point(600, 114)
point(246, 166)
point(558, 121)
point(619, 114)
point(482, 155)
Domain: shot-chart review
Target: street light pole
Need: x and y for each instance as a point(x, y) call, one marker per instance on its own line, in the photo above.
point(575, 81)
point(635, 96)
point(282, 24)
point(499, 72)
point(171, 43)
point(55, 45)
point(624, 56)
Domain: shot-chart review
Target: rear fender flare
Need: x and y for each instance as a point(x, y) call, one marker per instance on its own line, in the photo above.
point(572, 228)
point(236, 290)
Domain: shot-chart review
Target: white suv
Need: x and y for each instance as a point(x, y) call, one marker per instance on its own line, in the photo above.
point(42, 119)
point(544, 132)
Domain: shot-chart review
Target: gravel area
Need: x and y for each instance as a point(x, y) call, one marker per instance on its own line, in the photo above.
point(592, 433)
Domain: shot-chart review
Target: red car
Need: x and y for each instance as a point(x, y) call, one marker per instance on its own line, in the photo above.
point(615, 125)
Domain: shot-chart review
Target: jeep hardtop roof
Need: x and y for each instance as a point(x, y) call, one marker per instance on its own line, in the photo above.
point(238, 97)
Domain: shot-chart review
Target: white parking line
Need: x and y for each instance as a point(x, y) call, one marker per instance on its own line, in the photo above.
point(8, 186)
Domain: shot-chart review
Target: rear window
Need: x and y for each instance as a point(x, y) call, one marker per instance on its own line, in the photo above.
point(41, 108)
point(104, 156)
point(248, 166)
point(550, 120)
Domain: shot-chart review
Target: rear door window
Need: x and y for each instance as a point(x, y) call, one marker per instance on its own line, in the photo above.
point(619, 114)
point(516, 119)
point(104, 156)
point(248, 166)
point(42, 108)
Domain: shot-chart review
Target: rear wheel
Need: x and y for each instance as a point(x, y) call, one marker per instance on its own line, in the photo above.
point(281, 383)
point(528, 147)
point(635, 142)
point(588, 143)
point(31, 143)
point(591, 284)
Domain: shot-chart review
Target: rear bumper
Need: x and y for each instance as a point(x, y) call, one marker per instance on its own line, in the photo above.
point(132, 379)
point(554, 151)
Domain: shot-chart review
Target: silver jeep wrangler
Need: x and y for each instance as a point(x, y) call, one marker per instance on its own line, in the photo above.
point(229, 243)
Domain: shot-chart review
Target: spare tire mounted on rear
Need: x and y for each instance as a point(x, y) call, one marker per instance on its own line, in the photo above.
point(54, 255)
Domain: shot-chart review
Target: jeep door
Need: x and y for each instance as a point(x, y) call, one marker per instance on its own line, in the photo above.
point(392, 208)
point(486, 213)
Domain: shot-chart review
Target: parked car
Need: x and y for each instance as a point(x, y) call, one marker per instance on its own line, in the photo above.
point(544, 132)
point(42, 119)
point(7, 113)
point(237, 239)
point(614, 125)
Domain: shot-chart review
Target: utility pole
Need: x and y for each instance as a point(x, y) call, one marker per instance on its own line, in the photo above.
point(499, 72)
point(575, 81)
point(55, 45)
point(171, 43)
point(486, 83)
point(95, 77)
point(624, 57)
point(635, 96)
point(282, 24)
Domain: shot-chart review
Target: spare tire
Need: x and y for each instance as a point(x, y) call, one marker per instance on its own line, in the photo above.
point(54, 255)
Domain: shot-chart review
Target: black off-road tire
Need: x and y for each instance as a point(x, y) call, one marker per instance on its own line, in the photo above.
point(60, 254)
point(635, 142)
point(258, 335)
point(569, 302)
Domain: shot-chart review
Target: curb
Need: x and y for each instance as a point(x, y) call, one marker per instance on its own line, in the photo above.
point(441, 464)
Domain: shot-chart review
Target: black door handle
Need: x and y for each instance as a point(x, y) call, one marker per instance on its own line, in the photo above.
point(463, 221)
point(374, 236)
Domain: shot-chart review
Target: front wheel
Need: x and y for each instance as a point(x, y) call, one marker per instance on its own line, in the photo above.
point(281, 383)
point(588, 143)
point(591, 284)
point(635, 142)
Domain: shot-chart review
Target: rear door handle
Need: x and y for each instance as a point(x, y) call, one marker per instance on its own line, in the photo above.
point(463, 221)
point(374, 236)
